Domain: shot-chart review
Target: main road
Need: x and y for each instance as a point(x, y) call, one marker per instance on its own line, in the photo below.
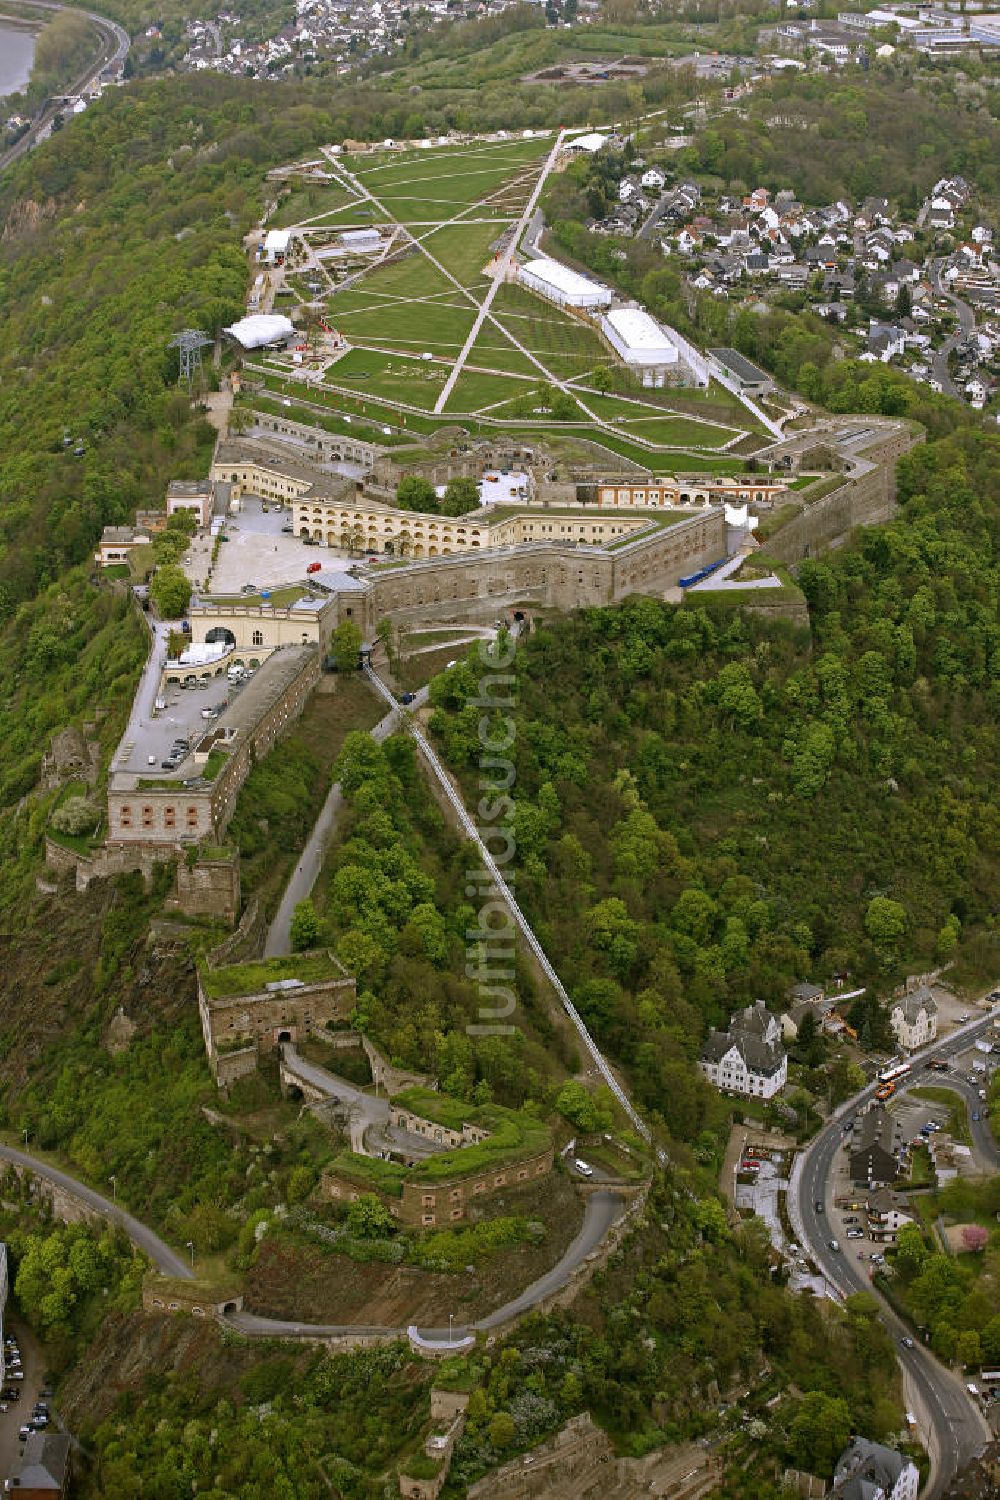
point(956, 1430)
point(111, 58)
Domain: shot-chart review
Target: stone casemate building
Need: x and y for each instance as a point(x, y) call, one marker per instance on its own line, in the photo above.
point(249, 1008)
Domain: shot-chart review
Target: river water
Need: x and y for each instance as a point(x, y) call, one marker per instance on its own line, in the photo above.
point(17, 49)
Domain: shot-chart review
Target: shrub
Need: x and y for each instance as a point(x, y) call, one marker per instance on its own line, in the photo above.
point(77, 815)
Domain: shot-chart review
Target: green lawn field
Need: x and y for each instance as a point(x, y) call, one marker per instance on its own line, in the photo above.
point(474, 392)
point(463, 249)
point(394, 376)
point(305, 203)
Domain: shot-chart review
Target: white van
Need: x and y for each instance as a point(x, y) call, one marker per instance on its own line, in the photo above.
point(583, 1169)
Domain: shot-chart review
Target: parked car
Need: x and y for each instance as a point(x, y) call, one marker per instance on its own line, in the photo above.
point(583, 1168)
point(855, 1234)
point(288, 529)
point(407, 697)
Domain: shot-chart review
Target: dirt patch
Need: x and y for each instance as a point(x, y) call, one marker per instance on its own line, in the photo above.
point(313, 1284)
point(128, 1348)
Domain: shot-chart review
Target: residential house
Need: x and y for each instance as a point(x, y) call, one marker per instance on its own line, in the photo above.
point(794, 276)
point(870, 1471)
point(942, 213)
point(914, 1018)
point(749, 1057)
point(839, 284)
point(42, 1472)
point(803, 999)
point(872, 1157)
point(886, 1216)
point(885, 341)
point(653, 177)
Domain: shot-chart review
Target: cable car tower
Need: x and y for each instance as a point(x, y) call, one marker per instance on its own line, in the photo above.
point(189, 343)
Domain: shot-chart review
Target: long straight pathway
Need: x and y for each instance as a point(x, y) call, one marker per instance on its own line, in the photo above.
point(310, 862)
point(500, 275)
point(524, 926)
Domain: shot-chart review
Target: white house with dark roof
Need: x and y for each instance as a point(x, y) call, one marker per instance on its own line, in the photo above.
point(749, 1058)
point(914, 1018)
point(870, 1471)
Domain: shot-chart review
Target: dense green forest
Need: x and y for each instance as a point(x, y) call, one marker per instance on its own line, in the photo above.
point(879, 132)
point(709, 809)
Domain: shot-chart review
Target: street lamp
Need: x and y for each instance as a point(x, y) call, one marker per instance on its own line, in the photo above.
point(24, 1132)
point(190, 1246)
point(114, 1187)
point(450, 1317)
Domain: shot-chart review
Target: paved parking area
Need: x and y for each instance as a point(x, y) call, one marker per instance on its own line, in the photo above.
point(19, 1411)
point(151, 734)
point(257, 552)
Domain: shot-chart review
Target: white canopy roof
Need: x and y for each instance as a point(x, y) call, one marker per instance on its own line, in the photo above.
point(553, 273)
point(592, 141)
point(260, 329)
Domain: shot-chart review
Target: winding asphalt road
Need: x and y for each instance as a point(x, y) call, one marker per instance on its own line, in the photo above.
point(604, 1208)
point(114, 50)
point(164, 1259)
point(967, 323)
point(957, 1430)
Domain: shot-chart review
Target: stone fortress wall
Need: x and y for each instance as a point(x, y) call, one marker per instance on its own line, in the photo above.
point(866, 498)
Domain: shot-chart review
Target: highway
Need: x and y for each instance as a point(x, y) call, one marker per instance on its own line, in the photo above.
point(111, 58)
point(953, 1426)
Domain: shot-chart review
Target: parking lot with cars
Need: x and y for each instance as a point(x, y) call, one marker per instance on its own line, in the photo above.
point(25, 1400)
point(159, 740)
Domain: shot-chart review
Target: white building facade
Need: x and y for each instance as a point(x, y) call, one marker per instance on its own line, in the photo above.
point(749, 1058)
point(914, 1019)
